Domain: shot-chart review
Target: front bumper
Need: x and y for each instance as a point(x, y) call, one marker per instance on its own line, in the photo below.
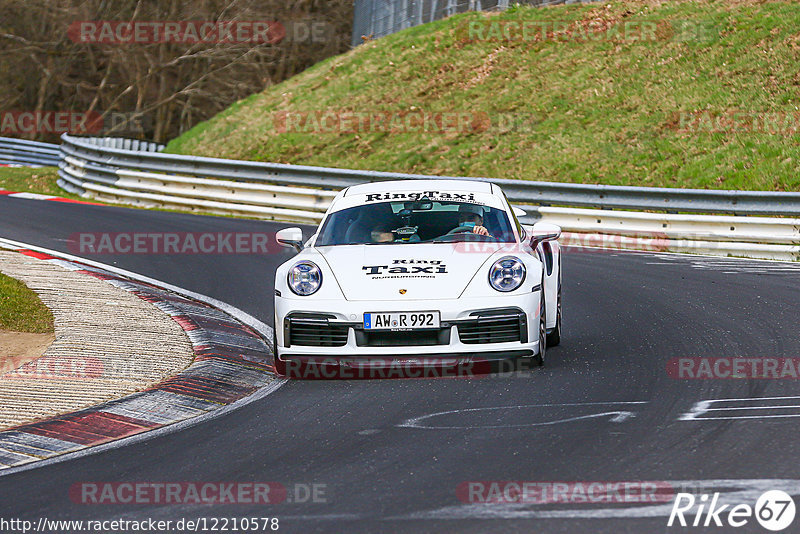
point(471, 328)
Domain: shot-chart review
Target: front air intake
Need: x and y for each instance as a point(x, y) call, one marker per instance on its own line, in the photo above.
point(494, 327)
point(315, 330)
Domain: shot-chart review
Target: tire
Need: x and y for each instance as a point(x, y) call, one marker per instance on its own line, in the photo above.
point(539, 358)
point(554, 337)
point(280, 366)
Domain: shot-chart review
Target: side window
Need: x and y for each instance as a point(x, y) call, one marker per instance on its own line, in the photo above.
point(520, 229)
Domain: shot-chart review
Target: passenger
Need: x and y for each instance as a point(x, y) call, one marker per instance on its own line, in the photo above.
point(405, 234)
point(380, 234)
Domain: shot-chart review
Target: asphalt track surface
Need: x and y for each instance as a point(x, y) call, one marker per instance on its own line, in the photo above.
point(625, 316)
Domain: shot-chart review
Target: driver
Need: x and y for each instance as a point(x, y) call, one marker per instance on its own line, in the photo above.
point(471, 216)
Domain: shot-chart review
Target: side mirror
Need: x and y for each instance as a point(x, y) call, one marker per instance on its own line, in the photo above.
point(519, 212)
point(543, 231)
point(290, 237)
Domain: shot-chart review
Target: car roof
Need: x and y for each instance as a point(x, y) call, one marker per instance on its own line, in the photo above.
point(476, 186)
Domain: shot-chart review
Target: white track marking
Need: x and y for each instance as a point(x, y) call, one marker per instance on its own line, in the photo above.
point(794, 406)
point(680, 256)
point(703, 407)
point(727, 265)
point(617, 416)
point(743, 491)
point(242, 316)
point(31, 196)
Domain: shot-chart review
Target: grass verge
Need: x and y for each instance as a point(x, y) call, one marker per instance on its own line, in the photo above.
point(40, 180)
point(21, 310)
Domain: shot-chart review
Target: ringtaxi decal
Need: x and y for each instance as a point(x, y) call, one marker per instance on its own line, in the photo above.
point(424, 195)
point(416, 268)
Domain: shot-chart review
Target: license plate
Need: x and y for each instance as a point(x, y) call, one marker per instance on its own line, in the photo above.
point(401, 320)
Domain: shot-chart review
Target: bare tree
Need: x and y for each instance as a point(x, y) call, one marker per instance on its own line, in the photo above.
point(170, 86)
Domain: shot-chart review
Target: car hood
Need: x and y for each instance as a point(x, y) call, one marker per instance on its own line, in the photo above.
point(407, 271)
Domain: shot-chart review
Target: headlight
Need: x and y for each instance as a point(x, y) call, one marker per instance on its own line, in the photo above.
point(507, 274)
point(304, 278)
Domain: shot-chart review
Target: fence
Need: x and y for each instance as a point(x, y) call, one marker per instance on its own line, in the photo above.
point(27, 153)
point(377, 18)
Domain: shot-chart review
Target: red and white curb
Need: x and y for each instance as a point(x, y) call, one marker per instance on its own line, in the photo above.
point(232, 361)
point(39, 196)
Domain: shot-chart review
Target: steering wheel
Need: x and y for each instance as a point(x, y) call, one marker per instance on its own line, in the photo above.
point(460, 230)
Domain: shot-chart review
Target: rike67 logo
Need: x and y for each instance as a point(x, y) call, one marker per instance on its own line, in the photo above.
point(774, 510)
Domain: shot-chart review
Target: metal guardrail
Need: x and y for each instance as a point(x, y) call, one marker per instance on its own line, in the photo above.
point(105, 162)
point(771, 238)
point(27, 153)
point(135, 172)
point(98, 168)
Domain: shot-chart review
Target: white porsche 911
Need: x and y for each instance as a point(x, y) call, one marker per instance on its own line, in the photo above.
point(418, 269)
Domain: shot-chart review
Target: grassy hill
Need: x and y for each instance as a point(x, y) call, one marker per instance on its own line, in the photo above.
point(675, 93)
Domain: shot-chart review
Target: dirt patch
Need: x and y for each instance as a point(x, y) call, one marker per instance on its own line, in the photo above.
point(483, 72)
point(19, 348)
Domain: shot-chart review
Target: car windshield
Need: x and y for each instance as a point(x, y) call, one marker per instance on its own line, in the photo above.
point(421, 221)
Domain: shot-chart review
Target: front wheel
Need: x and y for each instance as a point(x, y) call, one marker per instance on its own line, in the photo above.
point(280, 368)
point(554, 337)
point(539, 358)
point(280, 365)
